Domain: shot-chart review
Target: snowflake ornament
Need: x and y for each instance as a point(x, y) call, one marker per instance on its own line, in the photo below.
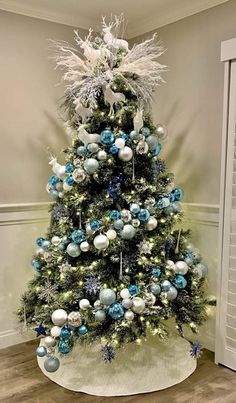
point(65, 268)
point(92, 286)
point(145, 247)
point(47, 292)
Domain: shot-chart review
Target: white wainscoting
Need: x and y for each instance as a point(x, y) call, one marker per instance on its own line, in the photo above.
point(21, 224)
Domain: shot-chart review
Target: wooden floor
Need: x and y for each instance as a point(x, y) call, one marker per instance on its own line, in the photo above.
point(22, 381)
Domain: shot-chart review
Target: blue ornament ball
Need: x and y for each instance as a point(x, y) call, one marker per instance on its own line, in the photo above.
point(53, 180)
point(176, 207)
point(112, 192)
point(36, 265)
point(134, 208)
point(133, 289)
point(118, 224)
point(134, 135)
point(69, 168)
point(171, 197)
point(165, 285)
point(180, 281)
point(156, 272)
point(65, 239)
point(152, 142)
point(100, 315)
point(179, 194)
point(95, 225)
point(172, 293)
point(39, 241)
point(78, 236)
point(113, 149)
point(81, 151)
point(64, 347)
point(203, 268)
point(73, 249)
point(91, 165)
point(65, 333)
point(116, 311)
point(146, 131)
point(82, 330)
point(155, 289)
point(69, 180)
point(45, 244)
point(54, 194)
point(157, 150)
point(114, 214)
point(51, 364)
point(61, 247)
point(124, 136)
point(107, 137)
point(107, 296)
point(143, 215)
point(41, 351)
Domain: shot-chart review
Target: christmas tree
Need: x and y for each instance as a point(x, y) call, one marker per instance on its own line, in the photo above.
point(115, 264)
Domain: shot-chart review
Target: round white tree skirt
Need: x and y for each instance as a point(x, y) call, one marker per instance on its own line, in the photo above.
point(152, 366)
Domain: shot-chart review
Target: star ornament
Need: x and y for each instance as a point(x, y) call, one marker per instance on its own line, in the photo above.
point(145, 247)
point(40, 330)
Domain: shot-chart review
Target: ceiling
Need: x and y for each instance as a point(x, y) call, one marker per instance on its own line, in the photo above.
point(142, 15)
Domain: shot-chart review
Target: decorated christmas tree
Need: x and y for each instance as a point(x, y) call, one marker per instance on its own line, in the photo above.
point(115, 264)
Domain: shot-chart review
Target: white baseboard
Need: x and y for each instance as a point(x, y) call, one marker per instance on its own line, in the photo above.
point(12, 336)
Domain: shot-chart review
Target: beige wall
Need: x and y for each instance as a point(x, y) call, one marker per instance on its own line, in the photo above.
point(190, 103)
point(28, 103)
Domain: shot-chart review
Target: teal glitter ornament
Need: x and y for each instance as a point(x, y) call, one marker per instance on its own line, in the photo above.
point(51, 364)
point(107, 296)
point(100, 315)
point(156, 272)
point(116, 311)
point(78, 236)
point(91, 165)
point(69, 168)
point(82, 330)
point(64, 347)
point(95, 225)
point(107, 137)
point(41, 351)
point(180, 281)
point(53, 180)
point(73, 249)
point(113, 149)
point(36, 264)
point(165, 285)
point(143, 215)
point(179, 194)
point(70, 181)
point(114, 214)
point(133, 289)
point(65, 333)
point(39, 241)
point(155, 289)
point(118, 224)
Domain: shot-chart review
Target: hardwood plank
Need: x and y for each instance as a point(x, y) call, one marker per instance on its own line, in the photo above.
point(21, 381)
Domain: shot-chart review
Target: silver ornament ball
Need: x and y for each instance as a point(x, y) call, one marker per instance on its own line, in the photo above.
point(101, 242)
point(138, 305)
point(59, 317)
point(128, 232)
point(125, 154)
point(51, 364)
point(107, 296)
point(172, 293)
point(73, 249)
point(91, 165)
point(151, 224)
point(49, 341)
point(129, 315)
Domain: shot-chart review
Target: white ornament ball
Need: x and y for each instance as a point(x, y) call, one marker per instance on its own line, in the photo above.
point(125, 154)
point(49, 341)
point(125, 293)
point(55, 240)
point(135, 222)
point(84, 246)
point(138, 305)
point(111, 234)
point(91, 165)
point(129, 315)
point(55, 331)
point(151, 224)
point(67, 187)
point(84, 304)
point(101, 242)
point(59, 317)
point(74, 319)
point(120, 143)
point(102, 155)
point(127, 303)
point(40, 251)
point(97, 304)
point(181, 267)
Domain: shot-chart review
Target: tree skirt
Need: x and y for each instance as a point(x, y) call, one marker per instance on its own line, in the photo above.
point(136, 369)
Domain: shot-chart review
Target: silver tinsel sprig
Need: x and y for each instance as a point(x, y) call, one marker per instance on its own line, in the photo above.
point(108, 353)
point(196, 350)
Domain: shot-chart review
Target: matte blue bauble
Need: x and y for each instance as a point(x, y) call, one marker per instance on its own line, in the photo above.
point(107, 296)
point(114, 214)
point(41, 351)
point(176, 207)
point(179, 194)
point(39, 241)
point(69, 168)
point(128, 232)
point(134, 135)
point(36, 264)
point(116, 311)
point(146, 131)
point(113, 149)
point(203, 268)
point(172, 293)
point(152, 142)
point(95, 225)
point(134, 208)
point(157, 150)
point(165, 285)
point(73, 249)
point(156, 272)
point(81, 151)
point(78, 236)
point(118, 224)
point(143, 215)
point(51, 364)
point(107, 137)
point(65, 333)
point(64, 347)
point(53, 180)
point(82, 330)
point(69, 180)
point(133, 289)
point(180, 281)
point(91, 165)
point(155, 289)
point(45, 244)
point(100, 315)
